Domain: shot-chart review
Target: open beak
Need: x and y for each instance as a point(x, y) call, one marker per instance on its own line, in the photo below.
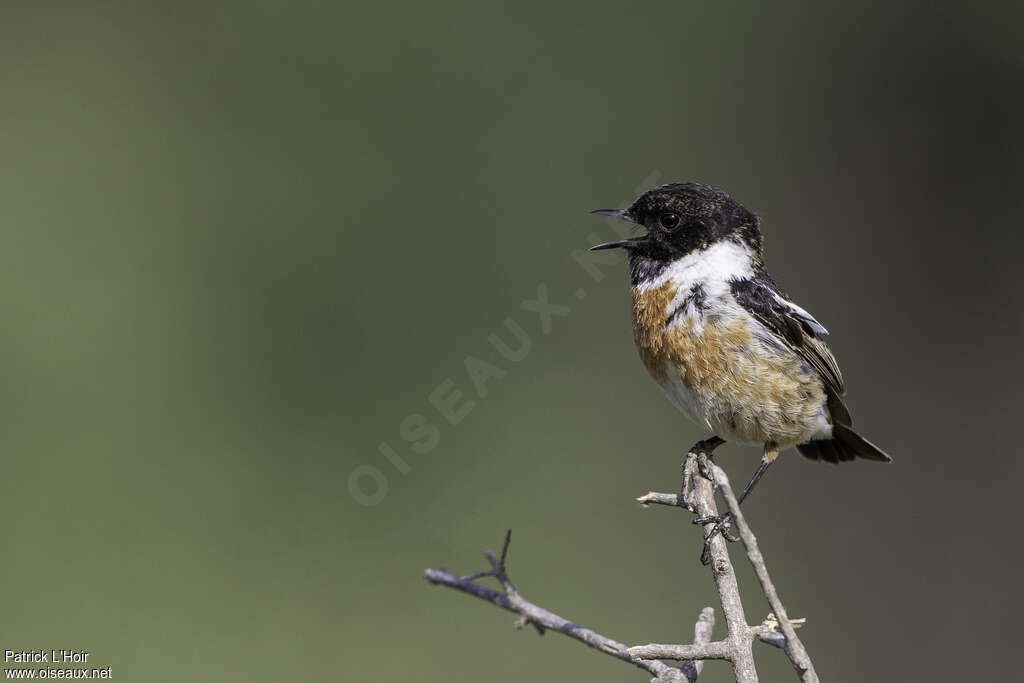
point(618, 213)
point(614, 213)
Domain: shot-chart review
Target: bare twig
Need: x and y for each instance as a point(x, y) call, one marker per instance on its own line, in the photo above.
point(793, 647)
point(702, 631)
point(736, 647)
point(719, 649)
point(653, 498)
point(737, 631)
point(528, 612)
point(769, 637)
point(787, 639)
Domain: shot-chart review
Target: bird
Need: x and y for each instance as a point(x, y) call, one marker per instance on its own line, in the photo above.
point(727, 345)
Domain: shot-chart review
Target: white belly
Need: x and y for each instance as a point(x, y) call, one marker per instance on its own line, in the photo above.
point(749, 421)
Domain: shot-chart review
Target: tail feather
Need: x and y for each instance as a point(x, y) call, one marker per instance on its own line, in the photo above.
point(844, 445)
point(829, 450)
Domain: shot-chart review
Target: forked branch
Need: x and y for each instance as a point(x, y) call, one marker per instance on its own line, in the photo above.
point(701, 477)
point(778, 619)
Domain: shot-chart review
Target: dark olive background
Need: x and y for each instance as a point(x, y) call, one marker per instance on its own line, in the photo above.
point(244, 241)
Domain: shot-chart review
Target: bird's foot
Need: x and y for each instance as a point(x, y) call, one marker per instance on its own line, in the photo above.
point(686, 485)
point(706, 447)
point(698, 458)
point(704, 464)
point(722, 524)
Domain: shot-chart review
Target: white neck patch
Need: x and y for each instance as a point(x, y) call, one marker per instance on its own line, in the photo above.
point(712, 267)
point(710, 270)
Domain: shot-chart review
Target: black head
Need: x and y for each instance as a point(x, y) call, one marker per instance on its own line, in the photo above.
point(684, 217)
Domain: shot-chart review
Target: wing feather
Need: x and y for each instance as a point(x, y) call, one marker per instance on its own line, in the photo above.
point(798, 329)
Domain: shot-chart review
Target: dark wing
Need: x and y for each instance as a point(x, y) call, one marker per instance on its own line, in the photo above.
point(763, 299)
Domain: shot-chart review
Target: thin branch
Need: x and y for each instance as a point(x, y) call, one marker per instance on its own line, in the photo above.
point(769, 636)
point(719, 649)
point(736, 647)
point(737, 631)
point(654, 498)
point(702, 631)
point(793, 647)
point(787, 639)
point(543, 619)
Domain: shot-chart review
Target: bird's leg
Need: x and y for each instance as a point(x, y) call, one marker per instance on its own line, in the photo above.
point(705, 447)
point(771, 452)
point(723, 522)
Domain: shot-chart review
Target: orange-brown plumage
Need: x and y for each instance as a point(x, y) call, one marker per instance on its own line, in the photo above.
point(741, 387)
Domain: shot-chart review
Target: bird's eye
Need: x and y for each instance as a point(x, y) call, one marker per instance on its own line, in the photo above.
point(669, 221)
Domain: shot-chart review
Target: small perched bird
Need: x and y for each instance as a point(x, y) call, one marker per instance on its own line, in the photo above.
point(727, 345)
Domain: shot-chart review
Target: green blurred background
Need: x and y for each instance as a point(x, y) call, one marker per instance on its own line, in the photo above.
point(244, 241)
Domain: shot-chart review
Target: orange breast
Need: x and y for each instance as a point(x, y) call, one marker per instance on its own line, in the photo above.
point(721, 361)
point(649, 316)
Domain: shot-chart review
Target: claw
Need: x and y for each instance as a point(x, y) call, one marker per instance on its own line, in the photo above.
point(702, 452)
point(708, 519)
point(721, 526)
